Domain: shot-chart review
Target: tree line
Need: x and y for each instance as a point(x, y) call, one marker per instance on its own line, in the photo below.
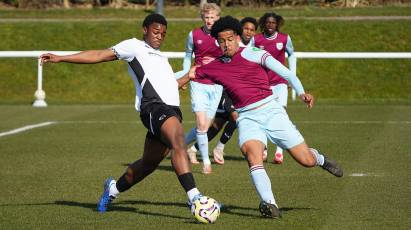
point(42, 4)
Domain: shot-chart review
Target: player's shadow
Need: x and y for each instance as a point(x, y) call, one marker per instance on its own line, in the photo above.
point(119, 206)
point(234, 158)
point(239, 211)
point(160, 167)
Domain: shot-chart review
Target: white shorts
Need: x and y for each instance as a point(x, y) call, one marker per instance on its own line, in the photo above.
point(205, 98)
point(269, 121)
point(280, 93)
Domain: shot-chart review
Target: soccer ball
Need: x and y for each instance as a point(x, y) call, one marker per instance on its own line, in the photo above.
point(206, 210)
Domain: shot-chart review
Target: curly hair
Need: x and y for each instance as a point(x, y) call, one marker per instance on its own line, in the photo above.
point(250, 20)
point(226, 23)
point(154, 18)
point(278, 19)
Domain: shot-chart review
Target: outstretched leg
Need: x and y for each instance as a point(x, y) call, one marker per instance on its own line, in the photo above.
point(309, 157)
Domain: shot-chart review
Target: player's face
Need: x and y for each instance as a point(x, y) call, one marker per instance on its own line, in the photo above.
point(270, 25)
point(248, 30)
point(229, 42)
point(209, 18)
point(154, 35)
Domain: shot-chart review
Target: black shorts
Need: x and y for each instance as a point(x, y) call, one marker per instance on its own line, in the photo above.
point(153, 117)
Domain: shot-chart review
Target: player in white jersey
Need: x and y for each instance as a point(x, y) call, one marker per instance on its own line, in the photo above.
point(157, 99)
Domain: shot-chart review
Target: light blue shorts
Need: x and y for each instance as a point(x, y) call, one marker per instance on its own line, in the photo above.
point(205, 98)
point(280, 93)
point(269, 121)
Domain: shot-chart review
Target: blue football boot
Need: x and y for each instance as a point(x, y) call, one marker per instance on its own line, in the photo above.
point(105, 199)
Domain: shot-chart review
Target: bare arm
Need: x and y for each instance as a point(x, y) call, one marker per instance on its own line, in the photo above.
point(187, 77)
point(84, 57)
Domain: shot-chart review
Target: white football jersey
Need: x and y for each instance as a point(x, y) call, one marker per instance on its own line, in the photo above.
point(151, 72)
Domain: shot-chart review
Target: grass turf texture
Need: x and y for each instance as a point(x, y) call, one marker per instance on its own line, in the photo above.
point(354, 79)
point(52, 176)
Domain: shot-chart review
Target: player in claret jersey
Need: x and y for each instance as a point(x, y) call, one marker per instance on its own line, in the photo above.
point(205, 95)
point(242, 72)
point(277, 44)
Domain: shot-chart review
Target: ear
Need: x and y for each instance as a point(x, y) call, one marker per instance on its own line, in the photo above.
point(145, 30)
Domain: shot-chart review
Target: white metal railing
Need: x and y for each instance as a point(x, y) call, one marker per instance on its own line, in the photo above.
point(40, 95)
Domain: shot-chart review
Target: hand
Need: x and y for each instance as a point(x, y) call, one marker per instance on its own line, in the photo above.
point(308, 99)
point(48, 57)
point(192, 72)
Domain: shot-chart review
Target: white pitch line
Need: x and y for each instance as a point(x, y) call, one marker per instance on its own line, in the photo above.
point(27, 127)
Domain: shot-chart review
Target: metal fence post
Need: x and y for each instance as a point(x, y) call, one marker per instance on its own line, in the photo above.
point(40, 95)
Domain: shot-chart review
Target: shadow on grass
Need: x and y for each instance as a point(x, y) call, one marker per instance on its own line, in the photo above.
point(118, 207)
point(226, 209)
point(160, 167)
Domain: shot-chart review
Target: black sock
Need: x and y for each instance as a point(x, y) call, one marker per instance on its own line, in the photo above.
point(228, 131)
point(187, 181)
point(122, 184)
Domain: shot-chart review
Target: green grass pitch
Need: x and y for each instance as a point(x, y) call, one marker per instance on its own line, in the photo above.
point(51, 177)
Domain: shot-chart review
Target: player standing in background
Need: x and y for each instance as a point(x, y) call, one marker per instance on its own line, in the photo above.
point(249, 26)
point(242, 72)
point(277, 44)
point(226, 117)
point(205, 95)
point(157, 99)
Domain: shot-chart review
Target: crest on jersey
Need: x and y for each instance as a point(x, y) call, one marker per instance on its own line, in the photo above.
point(199, 42)
point(279, 45)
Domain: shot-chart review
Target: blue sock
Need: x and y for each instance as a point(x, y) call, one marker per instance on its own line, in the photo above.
point(262, 183)
point(202, 141)
point(191, 136)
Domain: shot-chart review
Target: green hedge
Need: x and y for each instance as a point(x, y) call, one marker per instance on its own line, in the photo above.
point(108, 83)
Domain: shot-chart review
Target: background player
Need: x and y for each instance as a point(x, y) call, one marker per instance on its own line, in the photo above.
point(277, 44)
point(226, 117)
point(205, 95)
point(157, 100)
point(249, 26)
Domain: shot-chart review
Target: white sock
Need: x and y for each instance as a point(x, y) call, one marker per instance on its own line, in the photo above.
point(220, 145)
point(113, 191)
point(318, 156)
point(262, 184)
point(192, 193)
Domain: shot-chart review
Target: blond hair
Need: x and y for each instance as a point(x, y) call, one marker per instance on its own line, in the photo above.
point(207, 7)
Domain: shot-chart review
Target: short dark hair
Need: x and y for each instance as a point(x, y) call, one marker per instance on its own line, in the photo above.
point(250, 20)
point(278, 19)
point(226, 23)
point(154, 18)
